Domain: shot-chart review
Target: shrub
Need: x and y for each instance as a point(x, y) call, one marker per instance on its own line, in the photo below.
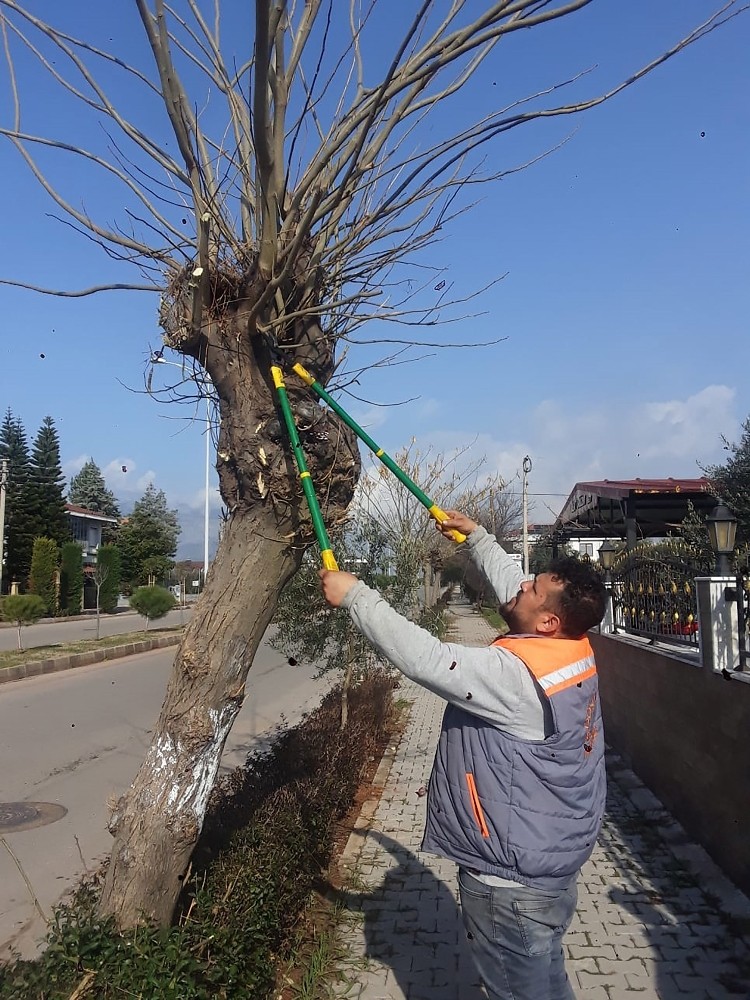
point(152, 602)
point(43, 576)
point(71, 579)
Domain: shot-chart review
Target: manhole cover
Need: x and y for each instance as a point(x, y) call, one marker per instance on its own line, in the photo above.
point(17, 816)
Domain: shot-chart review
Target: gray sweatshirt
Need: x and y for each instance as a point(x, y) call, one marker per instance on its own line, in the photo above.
point(502, 690)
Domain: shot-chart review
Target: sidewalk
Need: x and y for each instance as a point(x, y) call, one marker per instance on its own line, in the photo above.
point(655, 918)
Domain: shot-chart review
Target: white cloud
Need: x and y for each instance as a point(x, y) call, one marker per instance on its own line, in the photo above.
point(120, 476)
point(623, 440)
point(74, 465)
point(371, 418)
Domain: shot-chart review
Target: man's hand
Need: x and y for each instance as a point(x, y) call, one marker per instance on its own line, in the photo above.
point(336, 585)
point(457, 521)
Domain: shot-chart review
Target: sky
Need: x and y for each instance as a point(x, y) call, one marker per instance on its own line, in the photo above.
point(622, 313)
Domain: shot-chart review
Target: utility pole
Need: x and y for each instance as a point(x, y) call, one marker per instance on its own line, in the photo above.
point(3, 489)
point(208, 472)
point(526, 471)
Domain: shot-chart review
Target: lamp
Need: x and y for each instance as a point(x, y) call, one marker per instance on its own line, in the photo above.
point(607, 552)
point(722, 529)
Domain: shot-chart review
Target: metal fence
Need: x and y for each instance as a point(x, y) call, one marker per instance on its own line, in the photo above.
point(741, 594)
point(654, 595)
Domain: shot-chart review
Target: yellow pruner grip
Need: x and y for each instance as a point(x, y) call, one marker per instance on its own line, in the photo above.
point(441, 516)
point(303, 373)
point(329, 562)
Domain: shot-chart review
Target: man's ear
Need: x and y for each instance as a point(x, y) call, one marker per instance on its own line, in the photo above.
point(548, 624)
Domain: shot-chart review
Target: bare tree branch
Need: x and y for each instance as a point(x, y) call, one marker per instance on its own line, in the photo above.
point(82, 292)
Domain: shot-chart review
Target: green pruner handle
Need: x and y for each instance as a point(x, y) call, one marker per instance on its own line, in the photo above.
point(441, 516)
point(377, 451)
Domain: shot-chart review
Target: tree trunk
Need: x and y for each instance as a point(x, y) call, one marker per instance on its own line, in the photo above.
point(157, 823)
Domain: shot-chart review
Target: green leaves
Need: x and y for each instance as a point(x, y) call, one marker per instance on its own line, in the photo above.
point(152, 602)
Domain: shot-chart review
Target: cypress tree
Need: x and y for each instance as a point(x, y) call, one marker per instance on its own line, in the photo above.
point(19, 534)
point(43, 576)
point(50, 519)
point(107, 576)
point(71, 579)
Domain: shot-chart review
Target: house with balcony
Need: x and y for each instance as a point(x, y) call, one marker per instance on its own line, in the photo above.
point(86, 528)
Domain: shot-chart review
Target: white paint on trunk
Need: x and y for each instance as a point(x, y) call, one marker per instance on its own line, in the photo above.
point(194, 793)
point(162, 755)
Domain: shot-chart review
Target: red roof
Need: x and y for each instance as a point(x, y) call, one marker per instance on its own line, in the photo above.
point(619, 488)
point(94, 515)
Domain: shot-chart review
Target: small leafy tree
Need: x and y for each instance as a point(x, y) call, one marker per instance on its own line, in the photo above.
point(152, 602)
point(71, 579)
point(307, 628)
point(106, 578)
point(695, 534)
point(731, 481)
point(43, 578)
point(453, 480)
point(23, 609)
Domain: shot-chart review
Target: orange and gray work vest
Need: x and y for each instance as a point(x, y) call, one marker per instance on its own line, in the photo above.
point(524, 810)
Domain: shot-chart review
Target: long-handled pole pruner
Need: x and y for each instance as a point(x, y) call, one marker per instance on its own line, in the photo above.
point(386, 459)
point(326, 552)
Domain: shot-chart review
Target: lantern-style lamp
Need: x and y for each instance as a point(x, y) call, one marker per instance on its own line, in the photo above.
point(607, 554)
point(722, 529)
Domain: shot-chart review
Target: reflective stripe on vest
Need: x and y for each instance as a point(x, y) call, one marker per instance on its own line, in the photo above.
point(556, 664)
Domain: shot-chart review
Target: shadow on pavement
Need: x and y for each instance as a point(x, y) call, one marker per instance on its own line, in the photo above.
point(413, 927)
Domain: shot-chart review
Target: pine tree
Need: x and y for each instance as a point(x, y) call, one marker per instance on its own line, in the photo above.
point(49, 517)
point(19, 534)
point(148, 539)
point(88, 489)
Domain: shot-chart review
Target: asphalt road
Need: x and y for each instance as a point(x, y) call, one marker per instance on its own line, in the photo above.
point(49, 633)
point(77, 738)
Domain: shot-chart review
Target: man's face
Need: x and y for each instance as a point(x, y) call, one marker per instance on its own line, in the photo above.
point(532, 610)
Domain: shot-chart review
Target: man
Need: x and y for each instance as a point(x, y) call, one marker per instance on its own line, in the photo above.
point(518, 785)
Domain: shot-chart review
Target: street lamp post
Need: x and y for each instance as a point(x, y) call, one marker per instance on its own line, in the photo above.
point(157, 359)
point(607, 552)
point(205, 506)
point(526, 471)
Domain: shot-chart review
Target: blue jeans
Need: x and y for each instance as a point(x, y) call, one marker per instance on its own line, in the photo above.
point(515, 936)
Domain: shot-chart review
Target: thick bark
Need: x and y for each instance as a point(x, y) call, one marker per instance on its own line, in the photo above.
point(157, 823)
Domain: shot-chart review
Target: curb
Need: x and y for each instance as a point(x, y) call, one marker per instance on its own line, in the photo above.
point(349, 857)
point(36, 668)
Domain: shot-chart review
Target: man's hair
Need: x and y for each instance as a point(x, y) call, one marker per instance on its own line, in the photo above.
point(583, 600)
